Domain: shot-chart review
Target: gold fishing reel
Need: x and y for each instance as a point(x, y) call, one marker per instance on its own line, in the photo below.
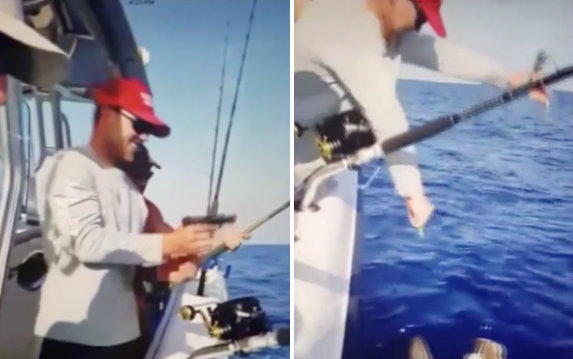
point(325, 148)
point(188, 313)
point(343, 135)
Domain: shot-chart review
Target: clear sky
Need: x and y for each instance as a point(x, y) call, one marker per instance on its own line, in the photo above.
point(511, 31)
point(185, 40)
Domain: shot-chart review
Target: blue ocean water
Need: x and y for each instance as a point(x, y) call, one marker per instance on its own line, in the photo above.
point(496, 261)
point(263, 271)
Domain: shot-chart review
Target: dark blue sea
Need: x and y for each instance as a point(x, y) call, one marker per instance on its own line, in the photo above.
point(496, 261)
point(264, 271)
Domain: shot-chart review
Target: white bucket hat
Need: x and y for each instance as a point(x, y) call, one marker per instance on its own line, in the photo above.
point(26, 54)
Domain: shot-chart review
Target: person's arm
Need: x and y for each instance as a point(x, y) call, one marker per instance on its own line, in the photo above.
point(76, 212)
point(451, 59)
point(372, 81)
point(155, 222)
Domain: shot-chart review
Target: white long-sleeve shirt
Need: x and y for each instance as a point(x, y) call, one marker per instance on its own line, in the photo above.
point(344, 37)
point(92, 219)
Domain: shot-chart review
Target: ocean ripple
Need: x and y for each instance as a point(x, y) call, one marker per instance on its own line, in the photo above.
point(497, 258)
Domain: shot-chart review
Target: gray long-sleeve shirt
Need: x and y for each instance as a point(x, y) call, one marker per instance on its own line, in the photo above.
point(92, 219)
point(345, 37)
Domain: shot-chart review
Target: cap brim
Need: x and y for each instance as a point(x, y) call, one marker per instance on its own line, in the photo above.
point(161, 130)
point(50, 63)
point(434, 18)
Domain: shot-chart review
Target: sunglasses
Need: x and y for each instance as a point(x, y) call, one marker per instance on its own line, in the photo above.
point(140, 126)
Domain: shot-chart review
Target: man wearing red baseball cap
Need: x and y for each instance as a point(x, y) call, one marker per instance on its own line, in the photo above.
point(361, 44)
point(347, 58)
point(93, 220)
point(124, 118)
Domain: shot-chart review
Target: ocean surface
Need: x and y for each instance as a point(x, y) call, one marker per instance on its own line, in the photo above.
point(496, 260)
point(263, 271)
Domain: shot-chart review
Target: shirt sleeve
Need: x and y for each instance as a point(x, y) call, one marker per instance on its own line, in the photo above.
point(451, 59)
point(371, 79)
point(77, 213)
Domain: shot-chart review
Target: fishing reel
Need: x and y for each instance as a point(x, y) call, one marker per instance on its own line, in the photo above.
point(241, 327)
point(233, 320)
point(342, 135)
point(339, 138)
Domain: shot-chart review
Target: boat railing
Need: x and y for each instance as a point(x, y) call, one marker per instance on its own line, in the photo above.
point(62, 139)
point(11, 148)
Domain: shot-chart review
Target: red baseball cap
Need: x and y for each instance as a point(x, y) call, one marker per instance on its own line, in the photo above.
point(132, 96)
point(431, 9)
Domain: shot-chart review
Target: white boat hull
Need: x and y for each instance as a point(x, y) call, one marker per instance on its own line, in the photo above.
point(326, 265)
point(326, 253)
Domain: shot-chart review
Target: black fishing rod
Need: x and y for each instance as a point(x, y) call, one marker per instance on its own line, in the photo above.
point(217, 123)
point(441, 124)
point(428, 130)
point(214, 206)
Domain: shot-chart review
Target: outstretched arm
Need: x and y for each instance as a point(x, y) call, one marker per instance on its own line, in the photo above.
point(451, 59)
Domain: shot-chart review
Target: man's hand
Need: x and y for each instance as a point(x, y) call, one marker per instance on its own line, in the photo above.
point(420, 210)
point(230, 236)
point(196, 240)
point(538, 94)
